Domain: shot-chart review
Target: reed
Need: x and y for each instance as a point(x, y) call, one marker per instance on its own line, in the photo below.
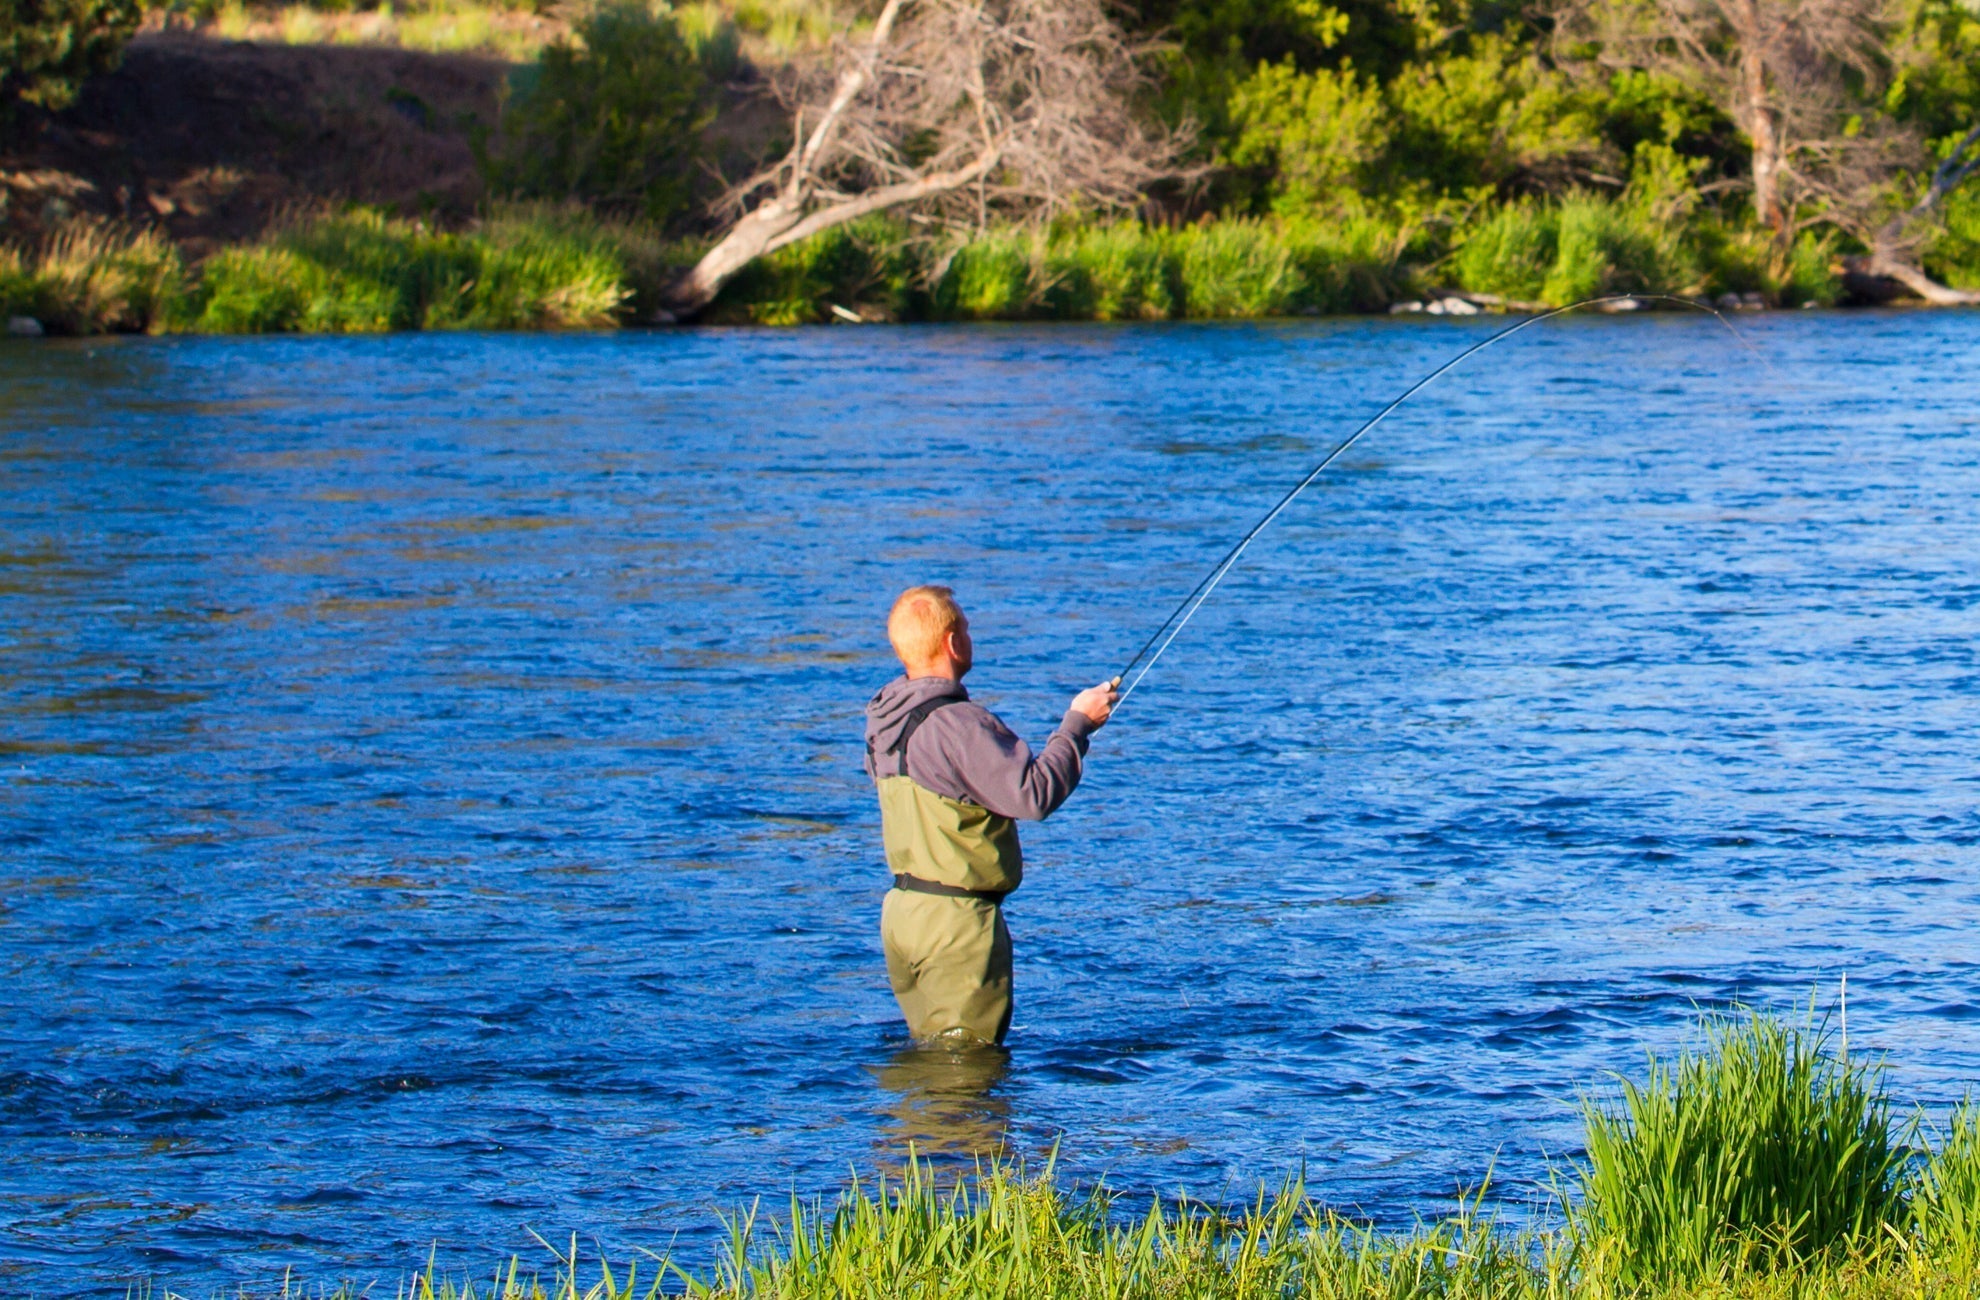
point(92, 278)
point(1761, 1148)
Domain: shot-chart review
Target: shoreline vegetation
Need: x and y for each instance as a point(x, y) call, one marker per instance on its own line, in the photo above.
point(241, 166)
point(1763, 1164)
point(544, 266)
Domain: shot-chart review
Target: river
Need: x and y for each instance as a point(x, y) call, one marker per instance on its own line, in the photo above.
point(432, 806)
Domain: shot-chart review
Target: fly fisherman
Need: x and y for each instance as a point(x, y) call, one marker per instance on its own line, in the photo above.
point(952, 780)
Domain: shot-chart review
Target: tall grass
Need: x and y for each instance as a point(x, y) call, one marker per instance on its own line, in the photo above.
point(92, 278)
point(362, 272)
point(1946, 1194)
point(1761, 1146)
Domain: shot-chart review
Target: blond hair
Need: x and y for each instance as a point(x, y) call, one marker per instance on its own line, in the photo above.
point(920, 622)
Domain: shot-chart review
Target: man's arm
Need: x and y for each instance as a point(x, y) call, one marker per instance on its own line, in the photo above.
point(993, 767)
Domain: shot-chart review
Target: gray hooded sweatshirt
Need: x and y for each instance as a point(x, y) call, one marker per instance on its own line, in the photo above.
point(962, 751)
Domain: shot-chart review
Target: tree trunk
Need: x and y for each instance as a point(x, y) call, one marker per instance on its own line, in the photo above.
point(1766, 141)
point(746, 241)
point(1918, 282)
point(783, 221)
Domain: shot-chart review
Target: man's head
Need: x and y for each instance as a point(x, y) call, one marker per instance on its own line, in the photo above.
point(929, 633)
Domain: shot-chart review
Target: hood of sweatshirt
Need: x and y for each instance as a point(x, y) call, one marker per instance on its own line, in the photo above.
point(887, 713)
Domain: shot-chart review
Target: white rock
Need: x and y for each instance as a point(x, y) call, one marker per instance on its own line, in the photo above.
point(24, 327)
point(1622, 304)
point(1458, 307)
point(1753, 301)
point(1727, 302)
point(1405, 308)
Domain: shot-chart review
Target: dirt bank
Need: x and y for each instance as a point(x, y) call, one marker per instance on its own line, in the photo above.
point(211, 140)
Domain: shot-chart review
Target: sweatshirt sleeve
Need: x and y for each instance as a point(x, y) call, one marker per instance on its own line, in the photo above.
point(998, 770)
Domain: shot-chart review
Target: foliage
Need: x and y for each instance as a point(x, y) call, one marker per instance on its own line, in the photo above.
point(1762, 1148)
point(48, 47)
point(362, 272)
point(611, 117)
point(1317, 135)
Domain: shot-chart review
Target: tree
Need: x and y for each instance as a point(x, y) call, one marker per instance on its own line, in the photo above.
point(1793, 75)
point(49, 47)
point(612, 118)
point(1024, 107)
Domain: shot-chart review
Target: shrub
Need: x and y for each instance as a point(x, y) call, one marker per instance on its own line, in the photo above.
point(48, 47)
point(1761, 1147)
point(612, 118)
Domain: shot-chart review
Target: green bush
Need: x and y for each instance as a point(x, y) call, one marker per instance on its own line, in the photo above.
point(1762, 1148)
point(612, 118)
point(49, 47)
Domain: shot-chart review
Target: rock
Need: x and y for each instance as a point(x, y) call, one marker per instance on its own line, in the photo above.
point(1753, 302)
point(661, 316)
point(1727, 302)
point(24, 327)
point(1405, 308)
point(1457, 307)
point(1622, 304)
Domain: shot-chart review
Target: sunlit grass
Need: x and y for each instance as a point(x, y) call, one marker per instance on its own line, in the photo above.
point(436, 26)
point(1760, 1146)
point(92, 278)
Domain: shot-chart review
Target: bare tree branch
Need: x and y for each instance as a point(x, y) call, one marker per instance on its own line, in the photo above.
point(959, 108)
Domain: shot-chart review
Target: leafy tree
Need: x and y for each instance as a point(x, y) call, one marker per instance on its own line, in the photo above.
point(49, 47)
point(612, 117)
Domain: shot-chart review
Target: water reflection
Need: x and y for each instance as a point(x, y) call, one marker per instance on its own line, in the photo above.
point(947, 1102)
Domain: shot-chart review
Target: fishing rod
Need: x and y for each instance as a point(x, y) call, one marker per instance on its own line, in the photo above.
point(1187, 607)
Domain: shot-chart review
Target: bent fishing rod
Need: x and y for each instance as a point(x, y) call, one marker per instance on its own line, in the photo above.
point(1185, 610)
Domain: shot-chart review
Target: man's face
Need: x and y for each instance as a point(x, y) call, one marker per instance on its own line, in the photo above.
point(960, 647)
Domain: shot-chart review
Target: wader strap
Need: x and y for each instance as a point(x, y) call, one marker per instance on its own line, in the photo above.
point(916, 716)
point(916, 885)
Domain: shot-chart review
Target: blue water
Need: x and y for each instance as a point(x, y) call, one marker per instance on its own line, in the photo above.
point(432, 809)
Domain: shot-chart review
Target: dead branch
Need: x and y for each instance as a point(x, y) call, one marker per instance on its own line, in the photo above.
point(960, 109)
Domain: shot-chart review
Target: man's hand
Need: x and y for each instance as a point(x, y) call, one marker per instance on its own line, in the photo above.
point(1097, 702)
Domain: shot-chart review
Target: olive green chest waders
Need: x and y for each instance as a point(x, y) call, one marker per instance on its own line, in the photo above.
point(942, 926)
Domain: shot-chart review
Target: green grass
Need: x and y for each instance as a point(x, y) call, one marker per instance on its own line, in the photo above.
point(1758, 1166)
point(1760, 1146)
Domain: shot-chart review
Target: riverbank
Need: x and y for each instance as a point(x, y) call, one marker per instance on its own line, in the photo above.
point(549, 267)
point(1763, 1164)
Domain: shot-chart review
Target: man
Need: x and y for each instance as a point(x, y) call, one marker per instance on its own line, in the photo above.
point(952, 780)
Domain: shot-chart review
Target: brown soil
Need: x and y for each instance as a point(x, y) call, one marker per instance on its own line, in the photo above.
point(211, 141)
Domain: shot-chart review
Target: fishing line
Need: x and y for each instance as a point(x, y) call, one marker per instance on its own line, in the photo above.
point(1187, 607)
